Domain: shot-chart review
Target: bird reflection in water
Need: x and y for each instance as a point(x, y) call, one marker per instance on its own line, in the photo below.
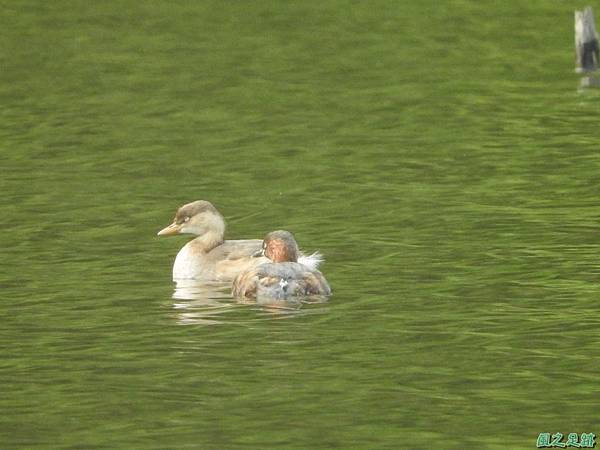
point(210, 303)
point(201, 302)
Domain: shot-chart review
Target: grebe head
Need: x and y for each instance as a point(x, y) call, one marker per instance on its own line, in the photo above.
point(199, 218)
point(280, 246)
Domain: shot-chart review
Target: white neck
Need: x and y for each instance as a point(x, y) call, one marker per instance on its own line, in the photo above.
point(209, 240)
point(210, 229)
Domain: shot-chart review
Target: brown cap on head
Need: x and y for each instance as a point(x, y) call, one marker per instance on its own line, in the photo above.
point(191, 209)
point(185, 213)
point(280, 246)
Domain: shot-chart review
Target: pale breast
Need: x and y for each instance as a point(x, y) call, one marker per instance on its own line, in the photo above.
point(190, 264)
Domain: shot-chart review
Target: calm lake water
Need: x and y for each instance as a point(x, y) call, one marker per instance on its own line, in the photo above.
point(440, 155)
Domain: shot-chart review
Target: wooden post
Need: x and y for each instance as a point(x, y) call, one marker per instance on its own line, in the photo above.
point(586, 41)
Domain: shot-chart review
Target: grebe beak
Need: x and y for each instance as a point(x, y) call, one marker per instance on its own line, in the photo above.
point(171, 230)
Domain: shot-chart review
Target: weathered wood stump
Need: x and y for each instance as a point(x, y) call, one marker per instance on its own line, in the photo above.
point(586, 40)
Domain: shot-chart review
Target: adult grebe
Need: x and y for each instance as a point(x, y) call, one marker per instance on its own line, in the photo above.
point(284, 277)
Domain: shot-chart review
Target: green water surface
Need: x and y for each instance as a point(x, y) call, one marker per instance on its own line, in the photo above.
point(438, 153)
